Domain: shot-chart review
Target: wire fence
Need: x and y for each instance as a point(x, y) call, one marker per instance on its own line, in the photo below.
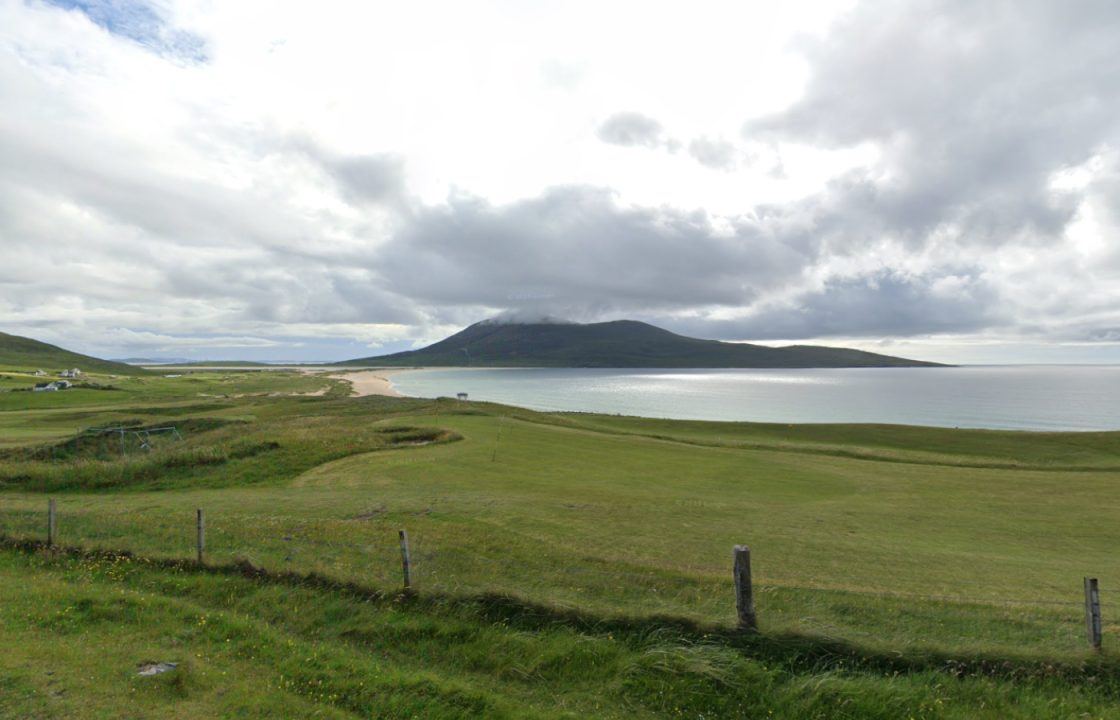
point(366, 550)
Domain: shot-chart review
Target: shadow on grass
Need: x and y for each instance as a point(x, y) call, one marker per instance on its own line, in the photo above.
point(795, 652)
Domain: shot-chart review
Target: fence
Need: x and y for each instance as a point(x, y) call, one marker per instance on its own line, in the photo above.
point(384, 561)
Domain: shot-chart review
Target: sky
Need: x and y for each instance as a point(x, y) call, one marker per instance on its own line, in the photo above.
point(320, 181)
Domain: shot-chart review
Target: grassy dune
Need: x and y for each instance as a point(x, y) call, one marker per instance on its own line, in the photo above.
point(564, 563)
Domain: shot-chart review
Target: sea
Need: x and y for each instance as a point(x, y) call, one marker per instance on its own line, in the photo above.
point(1014, 397)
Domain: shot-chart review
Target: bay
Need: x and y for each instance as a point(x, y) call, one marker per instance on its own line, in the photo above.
point(1024, 397)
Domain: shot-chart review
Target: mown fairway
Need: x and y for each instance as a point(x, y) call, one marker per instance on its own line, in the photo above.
point(899, 571)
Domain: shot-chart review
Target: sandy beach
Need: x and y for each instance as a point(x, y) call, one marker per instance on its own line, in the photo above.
point(369, 382)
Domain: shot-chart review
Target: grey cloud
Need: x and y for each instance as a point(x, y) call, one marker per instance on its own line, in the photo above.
point(133, 252)
point(973, 105)
point(578, 251)
point(526, 317)
point(714, 153)
point(631, 129)
point(376, 178)
point(370, 178)
point(102, 173)
point(881, 304)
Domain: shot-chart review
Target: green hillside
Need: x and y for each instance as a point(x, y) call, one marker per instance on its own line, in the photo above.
point(27, 354)
point(621, 343)
point(562, 565)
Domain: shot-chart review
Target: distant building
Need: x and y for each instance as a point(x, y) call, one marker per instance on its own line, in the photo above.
point(40, 373)
point(461, 396)
point(71, 373)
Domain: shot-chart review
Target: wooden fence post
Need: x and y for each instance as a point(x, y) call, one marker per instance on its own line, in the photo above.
point(1093, 612)
point(52, 523)
point(406, 561)
point(744, 593)
point(200, 540)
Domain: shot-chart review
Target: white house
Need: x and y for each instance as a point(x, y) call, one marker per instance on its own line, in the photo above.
point(71, 373)
point(51, 386)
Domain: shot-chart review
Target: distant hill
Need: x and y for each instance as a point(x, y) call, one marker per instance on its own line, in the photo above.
point(151, 361)
point(238, 363)
point(25, 353)
point(622, 343)
point(218, 363)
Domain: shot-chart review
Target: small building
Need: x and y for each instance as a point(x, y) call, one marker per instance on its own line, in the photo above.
point(461, 396)
point(71, 373)
point(40, 373)
point(51, 386)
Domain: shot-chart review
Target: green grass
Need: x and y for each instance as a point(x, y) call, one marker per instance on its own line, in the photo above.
point(27, 416)
point(899, 571)
point(32, 355)
point(888, 443)
point(263, 646)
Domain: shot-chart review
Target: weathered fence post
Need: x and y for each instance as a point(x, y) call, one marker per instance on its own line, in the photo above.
point(744, 594)
point(1093, 612)
point(200, 540)
point(406, 561)
point(52, 523)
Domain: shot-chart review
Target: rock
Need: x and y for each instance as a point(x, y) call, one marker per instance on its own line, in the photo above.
point(149, 669)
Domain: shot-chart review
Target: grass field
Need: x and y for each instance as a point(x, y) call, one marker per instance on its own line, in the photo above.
point(564, 563)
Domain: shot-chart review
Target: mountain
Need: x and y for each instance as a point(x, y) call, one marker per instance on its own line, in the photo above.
point(28, 354)
point(621, 343)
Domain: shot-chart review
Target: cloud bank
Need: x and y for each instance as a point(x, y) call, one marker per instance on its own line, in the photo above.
point(935, 171)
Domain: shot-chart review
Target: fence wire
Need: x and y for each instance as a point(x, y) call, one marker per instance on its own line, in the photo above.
point(969, 617)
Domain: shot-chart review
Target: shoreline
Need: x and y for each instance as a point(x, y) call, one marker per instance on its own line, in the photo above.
point(365, 382)
point(362, 382)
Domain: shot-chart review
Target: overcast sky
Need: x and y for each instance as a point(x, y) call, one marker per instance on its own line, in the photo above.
point(315, 181)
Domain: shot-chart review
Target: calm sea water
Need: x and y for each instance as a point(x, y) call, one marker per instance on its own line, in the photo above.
point(1014, 397)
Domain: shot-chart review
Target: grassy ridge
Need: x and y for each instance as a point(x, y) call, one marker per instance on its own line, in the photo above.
point(565, 562)
point(28, 354)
